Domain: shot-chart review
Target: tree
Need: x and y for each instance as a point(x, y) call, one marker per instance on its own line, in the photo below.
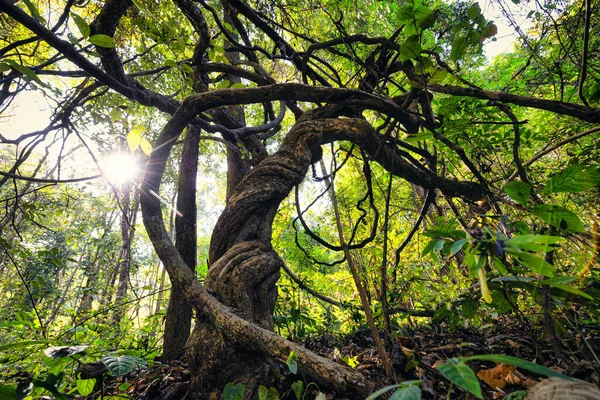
point(395, 87)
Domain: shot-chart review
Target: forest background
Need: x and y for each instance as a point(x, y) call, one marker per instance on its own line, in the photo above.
point(352, 174)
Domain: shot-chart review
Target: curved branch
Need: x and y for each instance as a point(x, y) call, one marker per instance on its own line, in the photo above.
point(554, 147)
point(584, 113)
point(313, 292)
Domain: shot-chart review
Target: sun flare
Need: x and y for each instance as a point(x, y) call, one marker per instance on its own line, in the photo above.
point(120, 168)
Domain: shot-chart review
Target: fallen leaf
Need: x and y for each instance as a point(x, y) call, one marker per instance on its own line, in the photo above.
point(499, 376)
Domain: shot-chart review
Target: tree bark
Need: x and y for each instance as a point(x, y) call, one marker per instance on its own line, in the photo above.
point(179, 313)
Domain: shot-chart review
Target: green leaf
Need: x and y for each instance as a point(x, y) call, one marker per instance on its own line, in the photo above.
point(25, 71)
point(102, 41)
point(116, 114)
point(134, 138)
point(34, 11)
point(517, 362)
point(518, 191)
point(575, 178)
point(439, 245)
point(298, 388)
point(170, 63)
point(518, 395)
point(428, 248)
point(83, 26)
point(185, 67)
point(461, 375)
point(291, 362)
point(384, 390)
point(410, 49)
point(121, 365)
point(459, 46)
point(236, 392)
point(561, 283)
point(559, 217)
point(533, 242)
point(458, 245)
point(407, 393)
point(19, 345)
point(4, 67)
point(534, 263)
point(267, 394)
point(8, 392)
point(469, 308)
point(145, 146)
point(85, 386)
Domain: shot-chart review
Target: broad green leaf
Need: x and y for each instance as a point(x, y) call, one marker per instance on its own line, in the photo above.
point(540, 243)
point(439, 245)
point(121, 365)
point(405, 13)
point(85, 386)
point(410, 49)
point(517, 362)
point(459, 46)
point(561, 283)
point(116, 114)
point(458, 245)
point(518, 395)
point(236, 392)
point(437, 75)
point(559, 217)
point(8, 392)
point(522, 240)
point(4, 67)
point(34, 11)
point(298, 388)
point(83, 26)
point(469, 308)
point(407, 393)
point(575, 178)
point(267, 394)
point(499, 264)
point(238, 86)
point(134, 138)
point(518, 191)
point(102, 41)
point(534, 263)
point(291, 362)
point(170, 63)
point(25, 343)
point(418, 137)
point(558, 279)
point(461, 375)
point(428, 248)
point(185, 67)
point(25, 71)
point(145, 146)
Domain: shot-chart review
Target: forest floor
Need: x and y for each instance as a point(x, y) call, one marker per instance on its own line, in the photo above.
point(414, 357)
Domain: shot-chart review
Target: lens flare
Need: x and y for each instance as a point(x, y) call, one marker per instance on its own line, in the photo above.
point(120, 168)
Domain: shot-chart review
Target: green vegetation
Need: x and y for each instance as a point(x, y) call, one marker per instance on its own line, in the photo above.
point(346, 176)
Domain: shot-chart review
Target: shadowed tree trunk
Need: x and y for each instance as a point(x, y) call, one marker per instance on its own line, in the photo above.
point(179, 313)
